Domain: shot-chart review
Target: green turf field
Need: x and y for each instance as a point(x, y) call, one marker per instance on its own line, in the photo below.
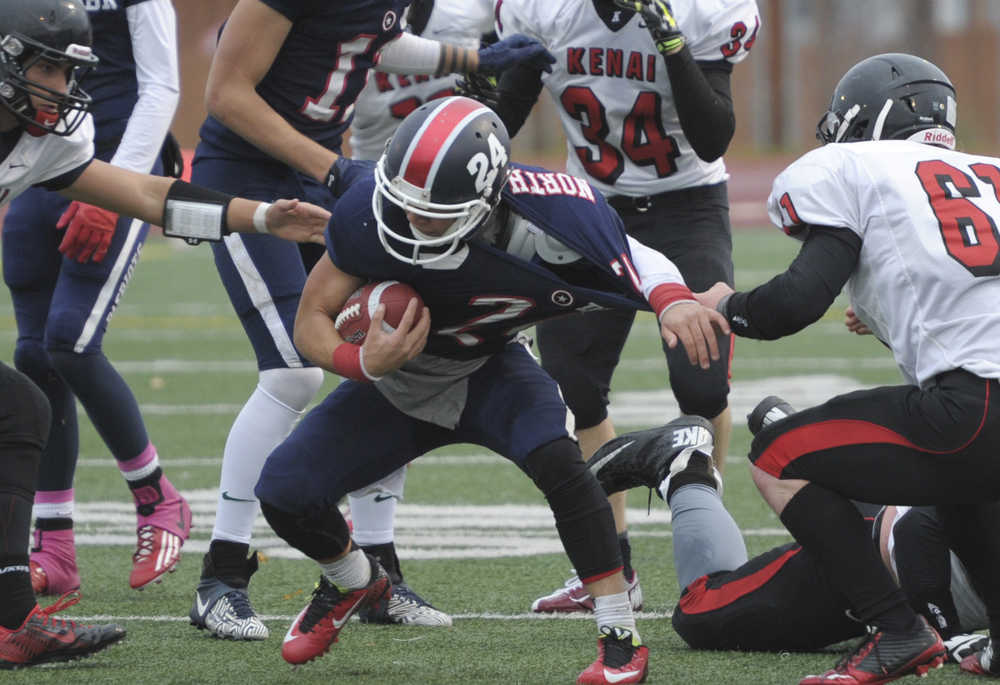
point(474, 535)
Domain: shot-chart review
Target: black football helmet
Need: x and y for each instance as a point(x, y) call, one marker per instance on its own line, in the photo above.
point(32, 31)
point(892, 97)
point(447, 160)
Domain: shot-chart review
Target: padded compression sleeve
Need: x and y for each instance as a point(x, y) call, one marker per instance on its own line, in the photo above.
point(705, 103)
point(195, 213)
point(519, 88)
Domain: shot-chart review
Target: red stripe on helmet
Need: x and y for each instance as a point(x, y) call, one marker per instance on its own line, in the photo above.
point(431, 137)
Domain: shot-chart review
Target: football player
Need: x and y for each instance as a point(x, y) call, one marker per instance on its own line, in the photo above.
point(63, 302)
point(889, 208)
point(779, 600)
point(381, 106)
point(492, 248)
point(46, 139)
point(280, 95)
point(643, 92)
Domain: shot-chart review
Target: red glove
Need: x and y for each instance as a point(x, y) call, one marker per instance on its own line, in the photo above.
point(89, 234)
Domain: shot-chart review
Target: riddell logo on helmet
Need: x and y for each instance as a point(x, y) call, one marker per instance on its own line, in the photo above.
point(935, 136)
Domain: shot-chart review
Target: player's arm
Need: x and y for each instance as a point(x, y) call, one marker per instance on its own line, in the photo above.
point(682, 318)
point(326, 290)
point(796, 298)
point(250, 41)
point(189, 211)
point(410, 54)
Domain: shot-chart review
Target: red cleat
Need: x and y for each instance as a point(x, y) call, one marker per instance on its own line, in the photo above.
point(886, 656)
point(572, 597)
point(621, 658)
point(318, 625)
point(164, 523)
point(42, 639)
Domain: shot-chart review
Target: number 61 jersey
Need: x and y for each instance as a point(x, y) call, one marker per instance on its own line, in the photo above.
point(927, 281)
point(611, 88)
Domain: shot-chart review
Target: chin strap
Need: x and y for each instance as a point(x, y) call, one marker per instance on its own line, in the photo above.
point(46, 120)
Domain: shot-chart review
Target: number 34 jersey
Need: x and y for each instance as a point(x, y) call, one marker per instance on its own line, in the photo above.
point(927, 281)
point(611, 88)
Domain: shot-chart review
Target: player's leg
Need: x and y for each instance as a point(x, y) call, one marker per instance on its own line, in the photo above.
point(373, 512)
point(912, 445)
point(31, 267)
point(531, 430)
point(581, 352)
point(25, 629)
point(691, 227)
point(336, 449)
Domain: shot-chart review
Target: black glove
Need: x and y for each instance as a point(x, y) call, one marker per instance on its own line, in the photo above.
point(344, 172)
point(518, 49)
point(659, 18)
point(171, 157)
point(480, 88)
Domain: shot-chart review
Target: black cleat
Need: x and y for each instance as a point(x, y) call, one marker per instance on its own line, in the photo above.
point(646, 458)
point(770, 409)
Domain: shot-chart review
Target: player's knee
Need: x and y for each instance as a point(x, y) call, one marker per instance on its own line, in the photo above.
point(323, 534)
point(294, 388)
point(27, 417)
point(702, 399)
point(31, 359)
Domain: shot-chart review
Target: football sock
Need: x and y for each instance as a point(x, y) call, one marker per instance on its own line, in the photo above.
point(350, 572)
point(386, 555)
point(705, 536)
point(229, 562)
point(266, 419)
point(51, 505)
point(614, 610)
point(373, 509)
point(15, 578)
point(142, 466)
point(831, 529)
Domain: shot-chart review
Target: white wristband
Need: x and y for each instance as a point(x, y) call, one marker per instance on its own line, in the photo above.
point(361, 363)
point(260, 217)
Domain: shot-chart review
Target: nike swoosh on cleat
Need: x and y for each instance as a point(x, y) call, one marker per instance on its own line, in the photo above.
point(340, 624)
point(202, 608)
point(613, 677)
point(227, 496)
point(599, 464)
point(288, 635)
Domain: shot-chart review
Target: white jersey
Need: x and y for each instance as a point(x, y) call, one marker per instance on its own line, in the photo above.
point(612, 92)
point(927, 282)
point(37, 159)
point(388, 98)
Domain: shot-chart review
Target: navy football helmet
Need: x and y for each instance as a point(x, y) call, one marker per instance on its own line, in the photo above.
point(33, 31)
point(892, 96)
point(447, 160)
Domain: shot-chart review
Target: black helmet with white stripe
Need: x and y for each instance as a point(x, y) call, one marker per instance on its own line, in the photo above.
point(894, 96)
point(447, 160)
point(33, 32)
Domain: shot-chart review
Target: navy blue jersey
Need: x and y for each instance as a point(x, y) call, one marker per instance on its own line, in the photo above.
point(320, 69)
point(478, 305)
point(113, 84)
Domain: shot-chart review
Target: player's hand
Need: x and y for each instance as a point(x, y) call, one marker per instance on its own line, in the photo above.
point(344, 172)
point(854, 324)
point(302, 222)
point(385, 352)
point(518, 49)
point(711, 297)
point(480, 88)
point(697, 328)
point(89, 231)
point(658, 16)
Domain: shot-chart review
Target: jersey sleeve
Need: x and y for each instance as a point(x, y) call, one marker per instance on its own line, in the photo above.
point(290, 9)
point(528, 17)
point(816, 190)
point(64, 157)
point(721, 29)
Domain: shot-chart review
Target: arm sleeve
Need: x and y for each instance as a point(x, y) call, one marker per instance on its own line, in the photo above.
point(518, 91)
point(704, 102)
point(796, 298)
point(410, 54)
point(153, 28)
point(652, 267)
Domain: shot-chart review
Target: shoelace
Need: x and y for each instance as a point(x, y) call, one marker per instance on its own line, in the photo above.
point(325, 597)
point(65, 601)
point(402, 594)
point(240, 604)
point(859, 653)
point(147, 536)
point(617, 646)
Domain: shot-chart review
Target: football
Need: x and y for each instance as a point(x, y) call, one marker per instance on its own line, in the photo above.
point(354, 319)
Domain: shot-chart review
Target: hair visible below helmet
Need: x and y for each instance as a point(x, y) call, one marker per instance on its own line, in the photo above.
point(447, 160)
point(32, 31)
point(892, 97)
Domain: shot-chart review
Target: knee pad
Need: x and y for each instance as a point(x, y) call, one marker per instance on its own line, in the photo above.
point(583, 516)
point(294, 388)
point(319, 535)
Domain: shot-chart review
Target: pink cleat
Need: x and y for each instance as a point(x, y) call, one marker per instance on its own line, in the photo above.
point(163, 524)
point(53, 563)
